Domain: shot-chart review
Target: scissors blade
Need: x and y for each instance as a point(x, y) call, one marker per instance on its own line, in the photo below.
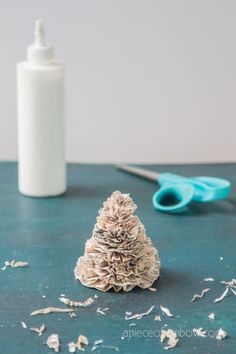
point(153, 176)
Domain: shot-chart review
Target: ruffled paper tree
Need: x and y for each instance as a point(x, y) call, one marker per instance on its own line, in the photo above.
point(119, 254)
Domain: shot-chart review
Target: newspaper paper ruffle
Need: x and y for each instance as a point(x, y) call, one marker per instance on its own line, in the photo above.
point(119, 254)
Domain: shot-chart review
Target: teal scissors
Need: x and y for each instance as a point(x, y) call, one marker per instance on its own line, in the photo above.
point(176, 192)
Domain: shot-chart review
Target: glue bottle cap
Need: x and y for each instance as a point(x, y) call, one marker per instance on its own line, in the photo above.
point(40, 51)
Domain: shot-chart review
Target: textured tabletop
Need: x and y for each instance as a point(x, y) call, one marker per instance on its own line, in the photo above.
point(50, 235)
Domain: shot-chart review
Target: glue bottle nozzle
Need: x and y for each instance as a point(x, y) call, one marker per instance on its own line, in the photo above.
point(39, 33)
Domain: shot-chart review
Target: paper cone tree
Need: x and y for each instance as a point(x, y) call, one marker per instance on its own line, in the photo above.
point(119, 254)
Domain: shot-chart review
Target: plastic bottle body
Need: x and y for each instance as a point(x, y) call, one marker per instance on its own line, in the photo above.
point(40, 96)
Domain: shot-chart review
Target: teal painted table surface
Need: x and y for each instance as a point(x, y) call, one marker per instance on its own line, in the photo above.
point(50, 235)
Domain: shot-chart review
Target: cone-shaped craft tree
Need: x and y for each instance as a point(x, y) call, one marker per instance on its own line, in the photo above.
point(119, 254)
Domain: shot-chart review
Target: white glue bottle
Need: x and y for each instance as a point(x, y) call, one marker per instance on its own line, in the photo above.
point(40, 106)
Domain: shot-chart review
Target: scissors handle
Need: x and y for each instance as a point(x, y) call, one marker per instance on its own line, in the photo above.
point(173, 198)
point(177, 191)
point(205, 188)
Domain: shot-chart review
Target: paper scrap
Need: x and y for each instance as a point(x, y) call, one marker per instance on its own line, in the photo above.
point(14, 264)
point(138, 316)
point(199, 332)
point(82, 341)
point(222, 296)
point(102, 311)
point(110, 347)
point(166, 311)
point(170, 336)
point(231, 283)
point(221, 334)
point(157, 318)
point(199, 296)
point(53, 342)
point(209, 279)
point(72, 347)
point(233, 291)
point(96, 344)
point(47, 310)
point(24, 324)
point(211, 316)
point(39, 330)
point(72, 303)
point(72, 314)
point(152, 289)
